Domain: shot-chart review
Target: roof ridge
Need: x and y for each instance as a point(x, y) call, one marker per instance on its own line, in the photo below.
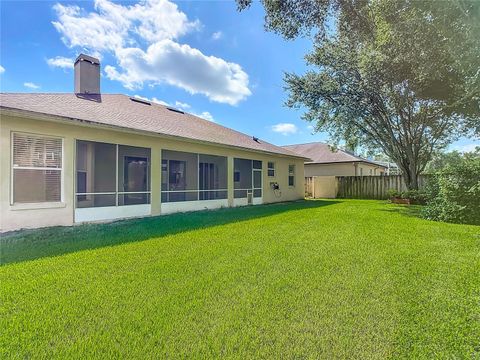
point(322, 152)
point(311, 142)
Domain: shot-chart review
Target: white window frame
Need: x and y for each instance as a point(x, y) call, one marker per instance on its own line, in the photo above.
point(12, 170)
point(294, 175)
point(271, 168)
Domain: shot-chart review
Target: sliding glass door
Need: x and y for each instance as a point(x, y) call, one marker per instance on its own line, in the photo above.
point(135, 180)
point(212, 175)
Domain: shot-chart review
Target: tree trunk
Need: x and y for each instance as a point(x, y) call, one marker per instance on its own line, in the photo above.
point(410, 175)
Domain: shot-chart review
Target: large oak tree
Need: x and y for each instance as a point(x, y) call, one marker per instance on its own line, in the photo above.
point(401, 76)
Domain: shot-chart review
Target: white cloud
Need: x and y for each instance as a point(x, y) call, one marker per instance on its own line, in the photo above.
point(217, 35)
point(182, 66)
point(61, 62)
point(143, 39)
point(285, 128)
point(181, 105)
point(153, 99)
point(205, 115)
point(31, 85)
point(2, 69)
point(112, 25)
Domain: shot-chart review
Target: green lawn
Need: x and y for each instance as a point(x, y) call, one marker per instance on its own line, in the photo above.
point(312, 279)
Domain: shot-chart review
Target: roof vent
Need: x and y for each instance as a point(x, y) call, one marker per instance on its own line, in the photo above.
point(255, 139)
point(141, 101)
point(87, 75)
point(175, 110)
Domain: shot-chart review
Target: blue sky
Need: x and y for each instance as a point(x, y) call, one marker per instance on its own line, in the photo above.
point(203, 57)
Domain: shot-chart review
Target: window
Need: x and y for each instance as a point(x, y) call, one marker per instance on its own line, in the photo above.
point(37, 168)
point(111, 175)
point(291, 175)
point(271, 169)
point(247, 178)
point(191, 176)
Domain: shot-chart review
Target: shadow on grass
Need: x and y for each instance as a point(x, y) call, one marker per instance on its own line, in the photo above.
point(34, 244)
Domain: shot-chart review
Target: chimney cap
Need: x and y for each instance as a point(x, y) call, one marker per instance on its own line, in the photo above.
point(83, 57)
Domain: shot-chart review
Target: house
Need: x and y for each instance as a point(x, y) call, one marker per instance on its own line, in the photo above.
point(86, 156)
point(326, 162)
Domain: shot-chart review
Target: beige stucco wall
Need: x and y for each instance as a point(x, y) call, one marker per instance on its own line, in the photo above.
point(342, 169)
point(15, 216)
point(369, 170)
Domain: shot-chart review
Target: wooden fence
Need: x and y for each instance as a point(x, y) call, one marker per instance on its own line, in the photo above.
point(309, 186)
point(372, 187)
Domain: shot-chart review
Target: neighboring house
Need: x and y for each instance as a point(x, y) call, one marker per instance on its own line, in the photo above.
point(390, 167)
point(87, 156)
point(325, 162)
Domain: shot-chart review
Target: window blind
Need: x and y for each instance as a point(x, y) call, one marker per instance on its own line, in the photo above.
point(35, 151)
point(37, 168)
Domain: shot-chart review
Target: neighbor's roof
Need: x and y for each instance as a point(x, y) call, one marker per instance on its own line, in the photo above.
point(120, 111)
point(321, 153)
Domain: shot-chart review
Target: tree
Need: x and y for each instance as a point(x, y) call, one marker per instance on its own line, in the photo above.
point(453, 193)
point(399, 76)
point(441, 160)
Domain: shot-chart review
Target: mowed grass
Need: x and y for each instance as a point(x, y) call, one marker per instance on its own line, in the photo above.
point(312, 279)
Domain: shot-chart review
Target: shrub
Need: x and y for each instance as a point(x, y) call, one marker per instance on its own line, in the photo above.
point(453, 194)
point(416, 196)
point(392, 193)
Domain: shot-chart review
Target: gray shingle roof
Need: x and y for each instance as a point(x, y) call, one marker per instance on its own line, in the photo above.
point(321, 153)
point(120, 111)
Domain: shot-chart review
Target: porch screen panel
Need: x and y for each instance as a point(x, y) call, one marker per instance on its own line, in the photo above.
point(212, 173)
point(95, 174)
point(257, 183)
point(179, 176)
point(133, 175)
point(37, 168)
point(242, 177)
